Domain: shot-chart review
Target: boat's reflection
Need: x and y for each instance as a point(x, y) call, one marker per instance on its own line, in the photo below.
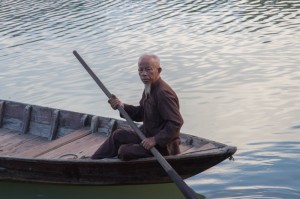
point(18, 190)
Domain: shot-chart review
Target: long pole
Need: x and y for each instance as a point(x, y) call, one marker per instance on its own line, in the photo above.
point(184, 188)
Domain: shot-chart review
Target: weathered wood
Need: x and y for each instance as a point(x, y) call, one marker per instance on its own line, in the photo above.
point(84, 146)
point(112, 126)
point(206, 147)
point(40, 150)
point(109, 127)
point(90, 150)
point(19, 143)
point(83, 121)
point(70, 120)
point(14, 110)
point(95, 124)
point(2, 106)
point(5, 136)
point(184, 147)
point(54, 125)
point(26, 119)
point(4, 131)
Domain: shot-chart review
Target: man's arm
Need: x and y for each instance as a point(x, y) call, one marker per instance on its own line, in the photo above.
point(135, 112)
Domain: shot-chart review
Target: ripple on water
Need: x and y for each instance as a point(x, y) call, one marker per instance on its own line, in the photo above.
point(234, 65)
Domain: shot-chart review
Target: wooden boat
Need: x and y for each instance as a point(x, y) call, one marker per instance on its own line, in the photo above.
point(41, 144)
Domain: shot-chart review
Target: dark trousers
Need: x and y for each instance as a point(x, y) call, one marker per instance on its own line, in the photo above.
point(125, 144)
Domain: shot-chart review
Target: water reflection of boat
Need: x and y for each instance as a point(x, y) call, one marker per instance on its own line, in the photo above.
point(41, 144)
point(50, 191)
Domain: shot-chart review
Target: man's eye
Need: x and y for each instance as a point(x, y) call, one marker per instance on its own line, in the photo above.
point(145, 69)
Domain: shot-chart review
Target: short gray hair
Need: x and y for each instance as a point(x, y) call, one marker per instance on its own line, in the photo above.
point(154, 57)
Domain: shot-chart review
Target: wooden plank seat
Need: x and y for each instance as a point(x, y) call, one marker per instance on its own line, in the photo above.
point(55, 144)
point(85, 146)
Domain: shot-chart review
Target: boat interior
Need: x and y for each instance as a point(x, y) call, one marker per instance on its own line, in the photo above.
point(29, 131)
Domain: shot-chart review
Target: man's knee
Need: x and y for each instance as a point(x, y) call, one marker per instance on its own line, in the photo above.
point(132, 151)
point(118, 134)
point(124, 153)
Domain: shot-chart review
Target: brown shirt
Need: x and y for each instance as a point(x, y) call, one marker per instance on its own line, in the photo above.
point(160, 115)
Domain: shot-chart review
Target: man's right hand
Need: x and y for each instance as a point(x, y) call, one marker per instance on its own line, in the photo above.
point(115, 102)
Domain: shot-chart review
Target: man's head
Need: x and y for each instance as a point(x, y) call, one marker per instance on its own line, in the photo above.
point(149, 68)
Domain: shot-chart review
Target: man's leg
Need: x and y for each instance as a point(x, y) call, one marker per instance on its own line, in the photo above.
point(111, 146)
point(135, 151)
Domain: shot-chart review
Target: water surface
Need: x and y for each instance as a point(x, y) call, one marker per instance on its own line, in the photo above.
point(234, 65)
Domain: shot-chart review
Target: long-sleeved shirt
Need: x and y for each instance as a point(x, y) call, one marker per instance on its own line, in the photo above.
point(160, 115)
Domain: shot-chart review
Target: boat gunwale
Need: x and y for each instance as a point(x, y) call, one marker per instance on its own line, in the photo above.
point(227, 150)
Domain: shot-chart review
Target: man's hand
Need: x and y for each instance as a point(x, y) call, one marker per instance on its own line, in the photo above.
point(115, 102)
point(148, 143)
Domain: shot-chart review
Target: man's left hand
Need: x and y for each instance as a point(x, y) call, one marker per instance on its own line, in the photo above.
point(148, 143)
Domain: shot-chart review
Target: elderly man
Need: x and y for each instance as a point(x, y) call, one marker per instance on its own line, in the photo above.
point(158, 110)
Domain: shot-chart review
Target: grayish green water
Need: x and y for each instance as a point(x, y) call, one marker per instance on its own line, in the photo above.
point(234, 65)
point(46, 191)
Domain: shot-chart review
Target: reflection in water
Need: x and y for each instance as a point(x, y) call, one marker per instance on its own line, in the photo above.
point(265, 168)
point(51, 191)
point(234, 65)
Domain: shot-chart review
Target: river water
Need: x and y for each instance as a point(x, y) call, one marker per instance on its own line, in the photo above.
point(233, 63)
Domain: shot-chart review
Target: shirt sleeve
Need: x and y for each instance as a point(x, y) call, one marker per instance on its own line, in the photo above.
point(135, 112)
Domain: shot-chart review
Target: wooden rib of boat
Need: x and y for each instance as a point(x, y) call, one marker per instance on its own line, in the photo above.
point(41, 144)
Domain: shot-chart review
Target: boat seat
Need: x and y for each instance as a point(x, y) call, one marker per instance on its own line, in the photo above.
point(52, 145)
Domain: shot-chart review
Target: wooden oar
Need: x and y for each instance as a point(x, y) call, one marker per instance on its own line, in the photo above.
point(185, 189)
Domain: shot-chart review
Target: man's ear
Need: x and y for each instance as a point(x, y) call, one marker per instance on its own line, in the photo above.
point(159, 70)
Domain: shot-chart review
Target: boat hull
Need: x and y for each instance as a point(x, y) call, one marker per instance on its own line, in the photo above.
point(102, 172)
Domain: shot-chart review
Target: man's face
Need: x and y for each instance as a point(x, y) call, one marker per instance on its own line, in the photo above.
point(148, 71)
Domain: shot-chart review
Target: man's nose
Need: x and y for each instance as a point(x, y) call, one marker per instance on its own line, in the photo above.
point(144, 72)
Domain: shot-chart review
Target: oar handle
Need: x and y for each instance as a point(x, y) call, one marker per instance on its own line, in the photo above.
point(184, 188)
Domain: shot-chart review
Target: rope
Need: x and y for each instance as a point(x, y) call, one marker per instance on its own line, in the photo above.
point(73, 156)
